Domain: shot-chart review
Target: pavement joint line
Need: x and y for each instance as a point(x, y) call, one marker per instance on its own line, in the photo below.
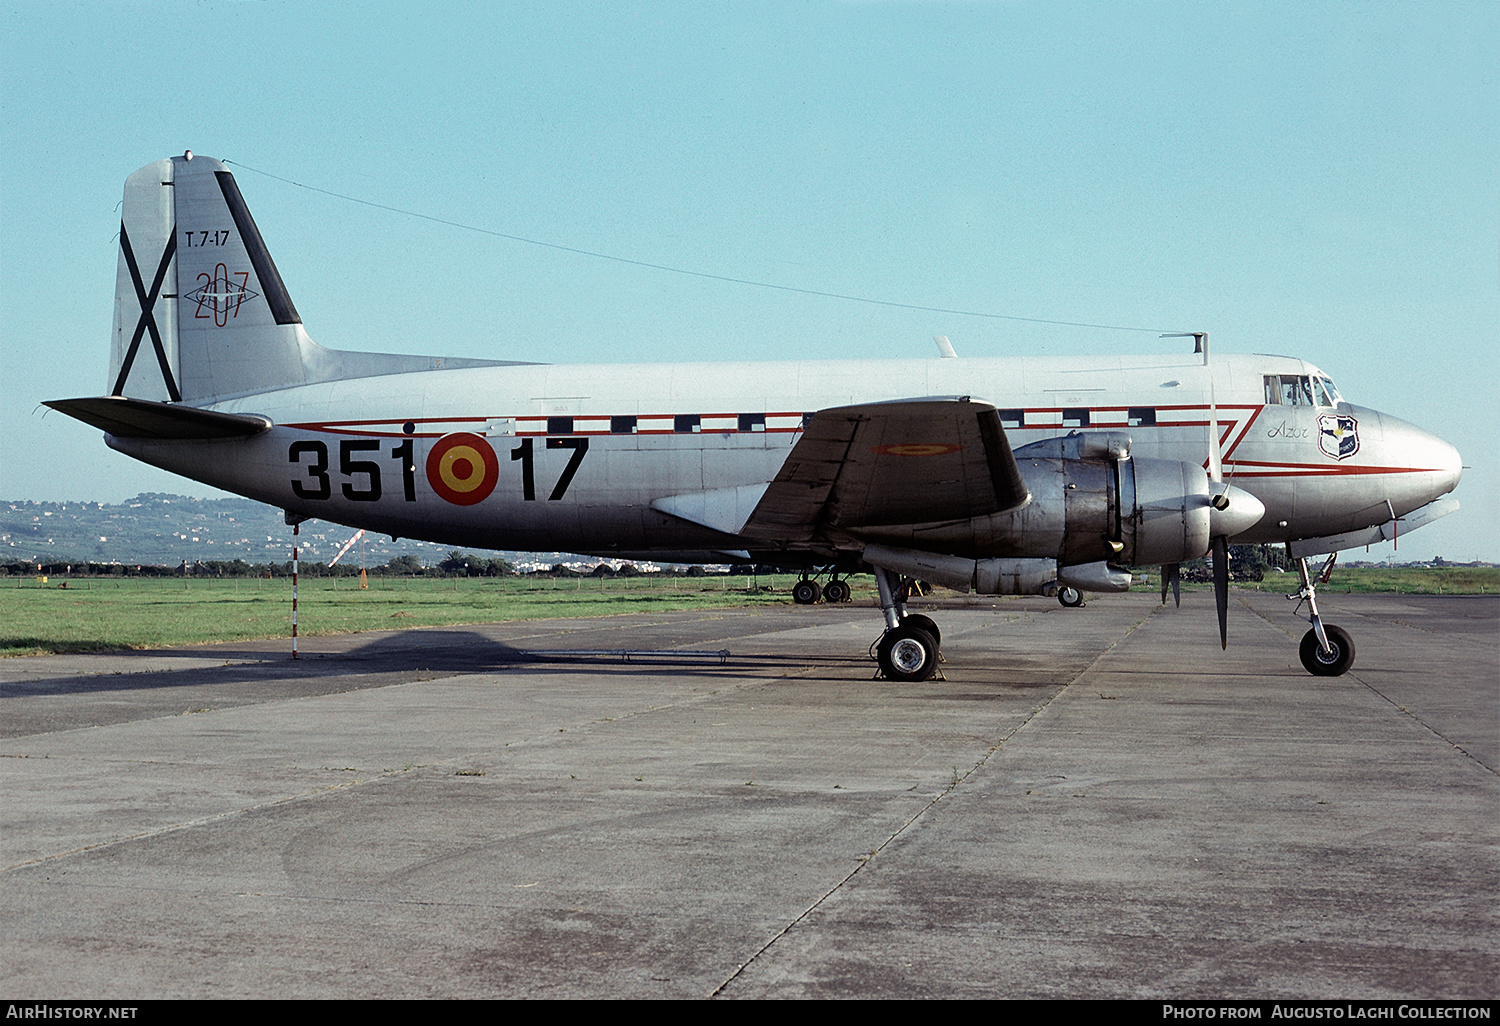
point(1382, 621)
point(229, 813)
point(1354, 675)
point(1289, 632)
point(865, 860)
point(189, 824)
point(1423, 724)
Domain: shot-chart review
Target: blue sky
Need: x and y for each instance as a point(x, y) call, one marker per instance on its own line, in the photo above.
point(1318, 180)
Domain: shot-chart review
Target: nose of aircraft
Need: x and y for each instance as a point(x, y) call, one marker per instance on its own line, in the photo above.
point(1450, 465)
point(1423, 466)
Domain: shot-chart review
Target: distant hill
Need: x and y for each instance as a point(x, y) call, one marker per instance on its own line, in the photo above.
point(160, 529)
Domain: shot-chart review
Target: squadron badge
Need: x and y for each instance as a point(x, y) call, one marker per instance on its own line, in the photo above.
point(1338, 435)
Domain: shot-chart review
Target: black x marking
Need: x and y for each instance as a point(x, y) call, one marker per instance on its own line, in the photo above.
point(148, 317)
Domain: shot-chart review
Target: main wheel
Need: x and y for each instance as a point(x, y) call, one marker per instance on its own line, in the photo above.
point(1070, 596)
point(1334, 663)
point(923, 623)
point(907, 654)
point(836, 591)
point(805, 592)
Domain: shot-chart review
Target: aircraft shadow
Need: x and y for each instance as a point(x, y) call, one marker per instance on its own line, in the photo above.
point(373, 664)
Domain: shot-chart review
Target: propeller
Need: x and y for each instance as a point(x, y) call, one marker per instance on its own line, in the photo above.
point(1218, 500)
point(1230, 509)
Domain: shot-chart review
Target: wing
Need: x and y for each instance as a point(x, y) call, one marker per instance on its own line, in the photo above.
point(912, 461)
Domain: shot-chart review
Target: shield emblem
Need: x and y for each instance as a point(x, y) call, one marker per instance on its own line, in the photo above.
point(1338, 436)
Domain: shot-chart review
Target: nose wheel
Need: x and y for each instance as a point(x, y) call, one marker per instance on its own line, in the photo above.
point(1333, 661)
point(1326, 650)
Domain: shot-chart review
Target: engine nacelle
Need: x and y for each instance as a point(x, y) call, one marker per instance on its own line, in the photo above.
point(1090, 503)
point(1168, 507)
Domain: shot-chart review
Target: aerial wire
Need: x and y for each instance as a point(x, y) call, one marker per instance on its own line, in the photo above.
point(686, 271)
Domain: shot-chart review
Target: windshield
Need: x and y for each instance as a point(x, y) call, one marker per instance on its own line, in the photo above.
point(1300, 390)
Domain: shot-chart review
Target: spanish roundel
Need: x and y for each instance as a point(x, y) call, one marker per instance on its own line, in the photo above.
point(462, 468)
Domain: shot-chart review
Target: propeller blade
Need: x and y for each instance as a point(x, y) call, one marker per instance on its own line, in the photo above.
point(1171, 576)
point(1221, 586)
point(1215, 459)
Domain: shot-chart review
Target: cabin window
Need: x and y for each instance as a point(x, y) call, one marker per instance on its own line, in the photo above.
point(687, 424)
point(1078, 418)
point(1142, 416)
point(622, 425)
point(752, 422)
point(559, 425)
point(1011, 418)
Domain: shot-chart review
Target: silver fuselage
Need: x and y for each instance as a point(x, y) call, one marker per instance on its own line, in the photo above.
point(580, 453)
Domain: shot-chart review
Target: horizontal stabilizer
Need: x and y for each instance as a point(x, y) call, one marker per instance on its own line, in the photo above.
point(141, 418)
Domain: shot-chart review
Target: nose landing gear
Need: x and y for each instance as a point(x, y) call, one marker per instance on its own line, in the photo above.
point(1326, 650)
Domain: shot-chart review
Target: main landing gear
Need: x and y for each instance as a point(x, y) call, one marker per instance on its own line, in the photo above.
point(909, 648)
point(1069, 596)
point(1326, 650)
point(807, 591)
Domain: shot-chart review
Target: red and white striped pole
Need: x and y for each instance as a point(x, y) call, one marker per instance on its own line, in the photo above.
point(295, 526)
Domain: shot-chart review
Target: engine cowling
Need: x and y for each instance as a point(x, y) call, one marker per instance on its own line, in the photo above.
point(1091, 502)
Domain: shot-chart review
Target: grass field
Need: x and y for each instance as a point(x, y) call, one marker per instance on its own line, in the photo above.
point(99, 614)
point(1452, 580)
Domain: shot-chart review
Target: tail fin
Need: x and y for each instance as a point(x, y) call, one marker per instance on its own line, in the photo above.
point(201, 312)
point(200, 309)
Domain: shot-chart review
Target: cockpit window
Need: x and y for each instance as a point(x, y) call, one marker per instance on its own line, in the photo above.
point(1299, 390)
point(1288, 390)
point(1331, 390)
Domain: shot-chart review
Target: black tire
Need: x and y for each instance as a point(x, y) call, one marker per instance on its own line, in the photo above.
point(907, 654)
point(836, 591)
point(1070, 596)
point(805, 593)
point(1328, 664)
point(923, 623)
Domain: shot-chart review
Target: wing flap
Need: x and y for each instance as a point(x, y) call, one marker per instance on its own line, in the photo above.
point(910, 461)
point(141, 418)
